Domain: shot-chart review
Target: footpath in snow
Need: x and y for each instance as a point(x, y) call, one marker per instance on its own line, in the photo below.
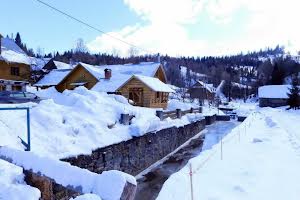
point(261, 160)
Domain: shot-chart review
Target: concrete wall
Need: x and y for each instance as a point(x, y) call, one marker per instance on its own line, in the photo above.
point(137, 154)
point(270, 102)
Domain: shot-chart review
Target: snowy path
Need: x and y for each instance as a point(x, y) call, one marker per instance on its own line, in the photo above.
point(263, 165)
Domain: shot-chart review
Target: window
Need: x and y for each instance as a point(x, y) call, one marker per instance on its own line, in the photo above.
point(15, 71)
point(157, 95)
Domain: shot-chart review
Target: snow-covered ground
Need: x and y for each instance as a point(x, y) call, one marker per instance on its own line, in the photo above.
point(261, 160)
point(71, 123)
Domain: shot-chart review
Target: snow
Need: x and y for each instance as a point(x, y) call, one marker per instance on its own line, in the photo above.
point(121, 73)
point(37, 64)
point(77, 122)
point(274, 91)
point(153, 83)
point(108, 185)
point(62, 65)
point(87, 197)
point(262, 164)
point(96, 71)
point(53, 78)
point(209, 87)
point(219, 91)
point(11, 52)
point(12, 185)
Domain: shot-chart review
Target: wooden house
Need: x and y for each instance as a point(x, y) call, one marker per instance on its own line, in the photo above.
point(53, 64)
point(146, 91)
point(135, 81)
point(14, 66)
point(81, 75)
point(202, 91)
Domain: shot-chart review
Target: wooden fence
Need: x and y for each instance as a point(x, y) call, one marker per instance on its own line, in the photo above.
point(178, 113)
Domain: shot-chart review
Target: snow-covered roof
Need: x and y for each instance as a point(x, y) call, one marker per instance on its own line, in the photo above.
point(153, 83)
point(54, 77)
point(96, 71)
point(209, 87)
point(122, 73)
point(11, 52)
point(62, 65)
point(37, 64)
point(274, 91)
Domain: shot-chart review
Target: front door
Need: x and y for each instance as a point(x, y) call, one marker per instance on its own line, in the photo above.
point(136, 95)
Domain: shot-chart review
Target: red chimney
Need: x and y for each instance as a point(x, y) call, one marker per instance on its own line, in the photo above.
point(107, 73)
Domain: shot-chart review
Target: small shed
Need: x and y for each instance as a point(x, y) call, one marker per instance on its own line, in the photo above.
point(146, 91)
point(202, 91)
point(273, 95)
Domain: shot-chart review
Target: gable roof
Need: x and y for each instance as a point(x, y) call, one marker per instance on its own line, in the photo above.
point(122, 73)
point(53, 78)
point(62, 65)
point(11, 52)
point(153, 83)
point(209, 87)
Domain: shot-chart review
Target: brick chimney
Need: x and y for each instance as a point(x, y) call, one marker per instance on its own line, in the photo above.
point(107, 73)
point(0, 42)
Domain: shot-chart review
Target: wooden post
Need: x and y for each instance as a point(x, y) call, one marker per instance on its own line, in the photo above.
point(160, 114)
point(221, 148)
point(178, 113)
point(191, 182)
point(192, 110)
point(124, 119)
point(200, 109)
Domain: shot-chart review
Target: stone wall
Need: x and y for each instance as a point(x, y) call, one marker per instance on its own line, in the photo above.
point(270, 102)
point(210, 119)
point(137, 154)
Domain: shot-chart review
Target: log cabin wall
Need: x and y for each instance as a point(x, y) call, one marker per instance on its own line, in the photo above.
point(79, 74)
point(148, 97)
point(14, 71)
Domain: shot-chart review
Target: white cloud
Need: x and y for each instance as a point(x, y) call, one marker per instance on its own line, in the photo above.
point(269, 23)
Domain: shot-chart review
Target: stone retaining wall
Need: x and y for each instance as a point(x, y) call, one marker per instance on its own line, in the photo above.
point(137, 154)
point(210, 119)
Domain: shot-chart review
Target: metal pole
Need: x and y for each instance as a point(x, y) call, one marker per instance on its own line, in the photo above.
point(191, 182)
point(28, 130)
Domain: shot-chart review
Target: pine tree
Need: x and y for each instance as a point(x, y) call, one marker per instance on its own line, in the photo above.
point(18, 40)
point(294, 96)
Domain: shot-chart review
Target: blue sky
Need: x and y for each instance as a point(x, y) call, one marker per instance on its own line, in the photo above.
point(175, 27)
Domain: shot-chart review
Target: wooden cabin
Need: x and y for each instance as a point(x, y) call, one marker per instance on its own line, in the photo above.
point(146, 92)
point(202, 91)
point(14, 66)
point(143, 84)
point(53, 64)
point(82, 75)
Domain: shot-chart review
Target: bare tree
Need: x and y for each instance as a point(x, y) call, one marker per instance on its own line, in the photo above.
point(80, 46)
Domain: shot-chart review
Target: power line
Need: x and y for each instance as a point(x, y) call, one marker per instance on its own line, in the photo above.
point(90, 26)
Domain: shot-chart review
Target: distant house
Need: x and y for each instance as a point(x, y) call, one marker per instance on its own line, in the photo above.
point(14, 66)
point(146, 91)
point(273, 95)
point(134, 81)
point(81, 75)
point(202, 91)
point(52, 64)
